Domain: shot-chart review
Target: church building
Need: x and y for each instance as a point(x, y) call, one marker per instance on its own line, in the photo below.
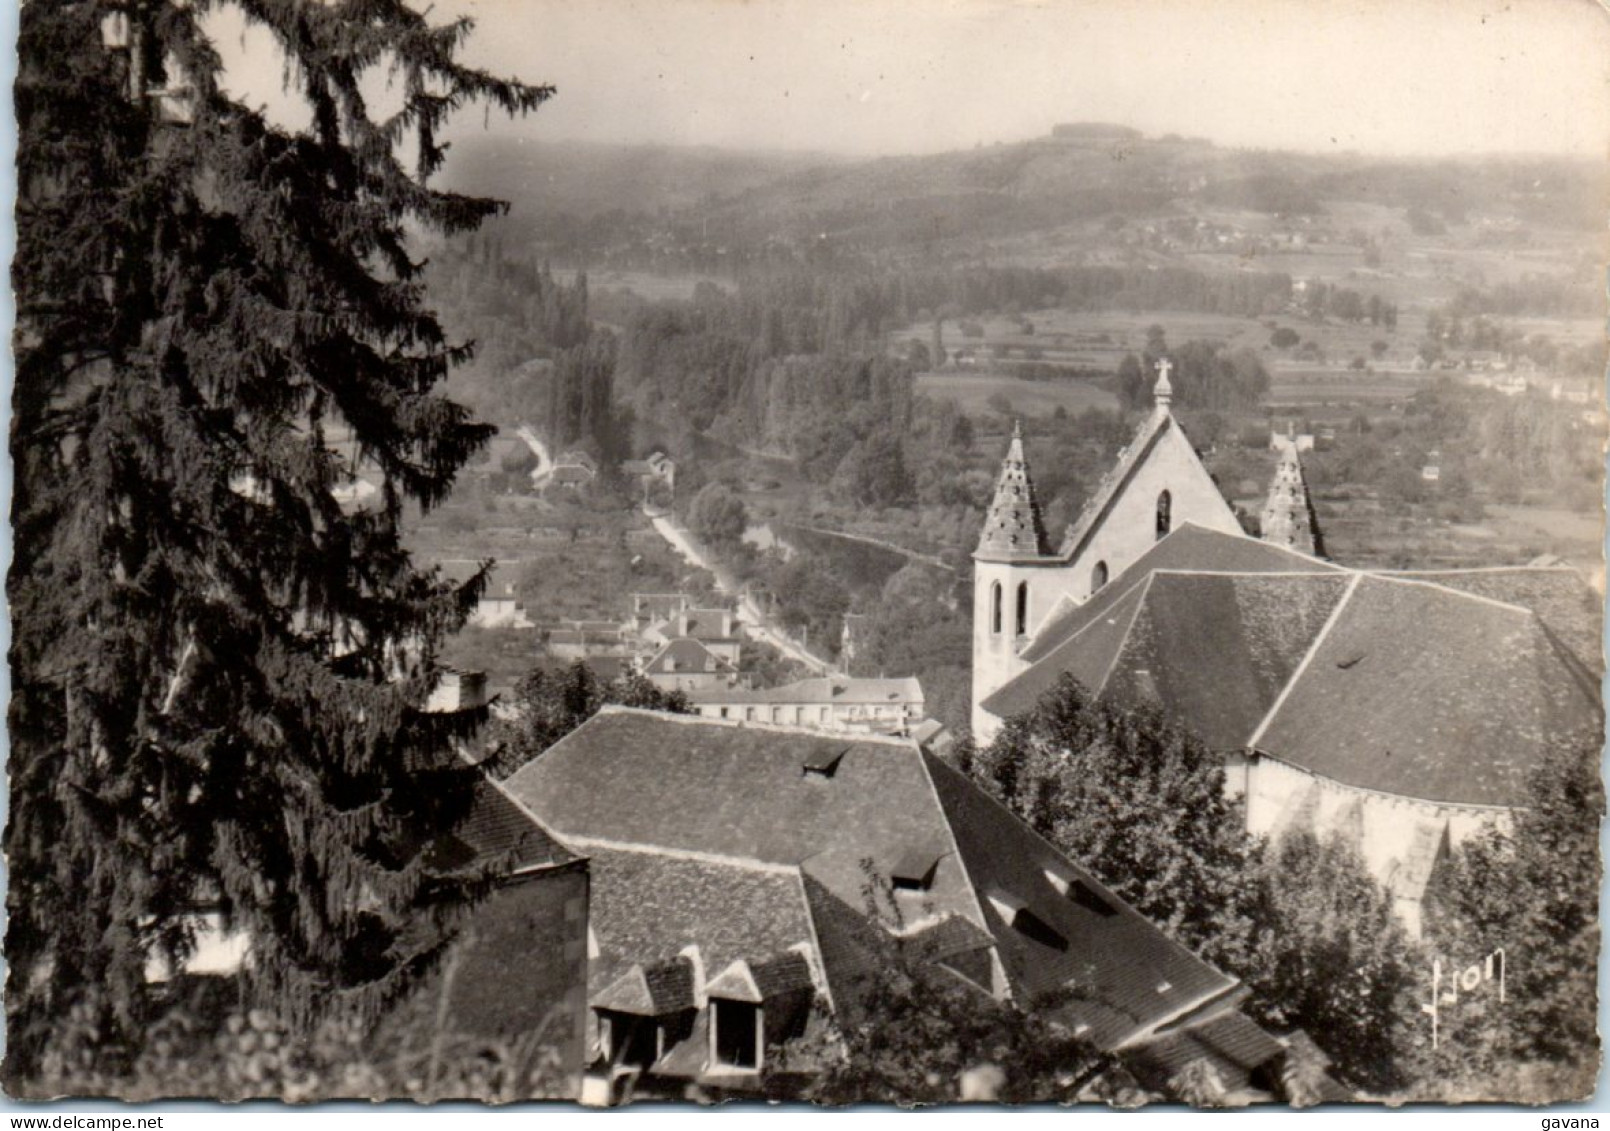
point(1019, 581)
point(1401, 710)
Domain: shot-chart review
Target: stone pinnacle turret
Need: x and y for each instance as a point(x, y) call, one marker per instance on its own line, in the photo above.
point(1013, 528)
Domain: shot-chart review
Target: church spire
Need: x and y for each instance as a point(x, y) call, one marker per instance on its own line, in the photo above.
point(1013, 528)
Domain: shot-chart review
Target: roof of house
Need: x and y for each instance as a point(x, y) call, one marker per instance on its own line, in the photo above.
point(684, 654)
point(498, 830)
point(821, 691)
point(732, 845)
point(1387, 682)
point(707, 624)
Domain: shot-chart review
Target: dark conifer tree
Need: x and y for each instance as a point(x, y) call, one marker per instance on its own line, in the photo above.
point(218, 671)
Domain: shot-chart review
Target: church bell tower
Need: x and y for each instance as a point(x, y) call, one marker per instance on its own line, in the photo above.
point(1007, 604)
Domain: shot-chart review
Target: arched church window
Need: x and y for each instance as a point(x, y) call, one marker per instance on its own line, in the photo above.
point(1098, 577)
point(1165, 513)
point(995, 608)
point(1023, 608)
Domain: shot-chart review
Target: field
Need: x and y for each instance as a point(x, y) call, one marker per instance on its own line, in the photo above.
point(972, 392)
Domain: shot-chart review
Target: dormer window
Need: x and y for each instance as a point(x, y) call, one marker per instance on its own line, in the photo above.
point(1079, 892)
point(914, 870)
point(1025, 922)
point(824, 761)
point(735, 1033)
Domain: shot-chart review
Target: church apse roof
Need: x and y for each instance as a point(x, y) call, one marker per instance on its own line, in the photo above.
point(1387, 682)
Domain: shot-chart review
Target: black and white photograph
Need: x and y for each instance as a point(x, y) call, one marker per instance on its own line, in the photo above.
point(817, 553)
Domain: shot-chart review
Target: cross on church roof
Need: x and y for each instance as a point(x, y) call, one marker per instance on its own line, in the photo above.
point(1164, 391)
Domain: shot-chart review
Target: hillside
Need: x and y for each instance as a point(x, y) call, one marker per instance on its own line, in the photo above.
point(642, 206)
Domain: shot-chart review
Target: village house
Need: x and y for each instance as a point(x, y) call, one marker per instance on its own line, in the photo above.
point(731, 911)
point(1403, 710)
point(686, 664)
point(499, 605)
point(572, 640)
point(717, 630)
point(836, 703)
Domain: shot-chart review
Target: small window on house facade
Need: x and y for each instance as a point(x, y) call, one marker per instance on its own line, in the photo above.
point(1098, 577)
point(995, 608)
point(735, 1033)
point(1023, 608)
point(1165, 513)
point(749, 714)
point(724, 712)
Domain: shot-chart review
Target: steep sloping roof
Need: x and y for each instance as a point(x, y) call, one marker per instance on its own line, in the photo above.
point(684, 654)
point(1217, 649)
point(1013, 528)
point(725, 827)
point(1558, 594)
point(1187, 547)
point(653, 905)
point(1420, 691)
point(1432, 689)
point(497, 830)
point(1125, 974)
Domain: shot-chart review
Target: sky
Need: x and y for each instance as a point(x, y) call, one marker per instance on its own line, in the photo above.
point(920, 76)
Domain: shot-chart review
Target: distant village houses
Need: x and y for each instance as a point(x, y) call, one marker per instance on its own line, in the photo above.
point(836, 703)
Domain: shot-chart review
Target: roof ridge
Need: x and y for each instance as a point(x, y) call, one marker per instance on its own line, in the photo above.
point(1123, 641)
point(743, 863)
point(1045, 841)
point(950, 832)
point(1486, 569)
point(1302, 666)
point(799, 731)
point(819, 964)
point(1508, 606)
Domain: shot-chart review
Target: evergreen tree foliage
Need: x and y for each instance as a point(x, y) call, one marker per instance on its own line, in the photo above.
point(217, 670)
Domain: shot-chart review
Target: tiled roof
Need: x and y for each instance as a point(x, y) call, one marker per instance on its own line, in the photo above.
point(1217, 650)
point(689, 794)
point(647, 907)
point(1558, 594)
point(1124, 973)
point(689, 656)
point(498, 830)
point(1419, 691)
point(1013, 528)
point(1384, 682)
point(1186, 547)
